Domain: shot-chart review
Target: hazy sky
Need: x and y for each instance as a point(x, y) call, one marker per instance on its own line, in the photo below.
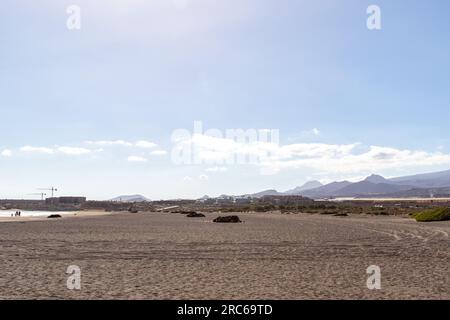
point(92, 111)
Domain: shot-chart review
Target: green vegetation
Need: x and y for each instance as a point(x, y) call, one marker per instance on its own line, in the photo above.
point(437, 214)
point(372, 208)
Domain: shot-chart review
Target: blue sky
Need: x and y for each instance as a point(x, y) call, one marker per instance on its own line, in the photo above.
point(347, 101)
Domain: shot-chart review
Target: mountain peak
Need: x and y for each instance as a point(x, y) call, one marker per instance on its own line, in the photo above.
point(376, 178)
point(311, 185)
point(306, 186)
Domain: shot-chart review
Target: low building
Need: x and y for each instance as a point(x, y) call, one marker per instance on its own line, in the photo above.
point(243, 200)
point(65, 200)
point(286, 200)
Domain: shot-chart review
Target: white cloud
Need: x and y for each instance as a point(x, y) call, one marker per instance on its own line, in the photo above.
point(214, 150)
point(37, 149)
point(123, 143)
point(203, 177)
point(6, 153)
point(158, 153)
point(375, 159)
point(315, 131)
point(187, 178)
point(136, 159)
point(331, 158)
point(110, 143)
point(145, 144)
point(73, 151)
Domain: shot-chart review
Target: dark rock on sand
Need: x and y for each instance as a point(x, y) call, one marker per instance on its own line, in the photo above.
point(53, 216)
point(187, 212)
point(227, 219)
point(341, 215)
point(195, 215)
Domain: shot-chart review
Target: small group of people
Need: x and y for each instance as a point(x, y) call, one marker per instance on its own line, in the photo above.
point(17, 214)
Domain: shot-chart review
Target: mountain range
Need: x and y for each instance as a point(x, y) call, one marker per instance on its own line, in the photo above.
point(426, 185)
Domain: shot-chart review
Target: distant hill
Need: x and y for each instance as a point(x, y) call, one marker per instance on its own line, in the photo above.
point(270, 192)
point(375, 178)
point(435, 184)
point(420, 185)
point(130, 198)
point(307, 186)
point(427, 180)
point(367, 188)
point(326, 191)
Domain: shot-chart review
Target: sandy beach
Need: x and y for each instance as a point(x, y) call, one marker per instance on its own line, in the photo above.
point(269, 256)
point(78, 214)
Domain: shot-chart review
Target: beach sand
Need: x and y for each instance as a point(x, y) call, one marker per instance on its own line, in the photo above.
point(269, 256)
point(86, 213)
